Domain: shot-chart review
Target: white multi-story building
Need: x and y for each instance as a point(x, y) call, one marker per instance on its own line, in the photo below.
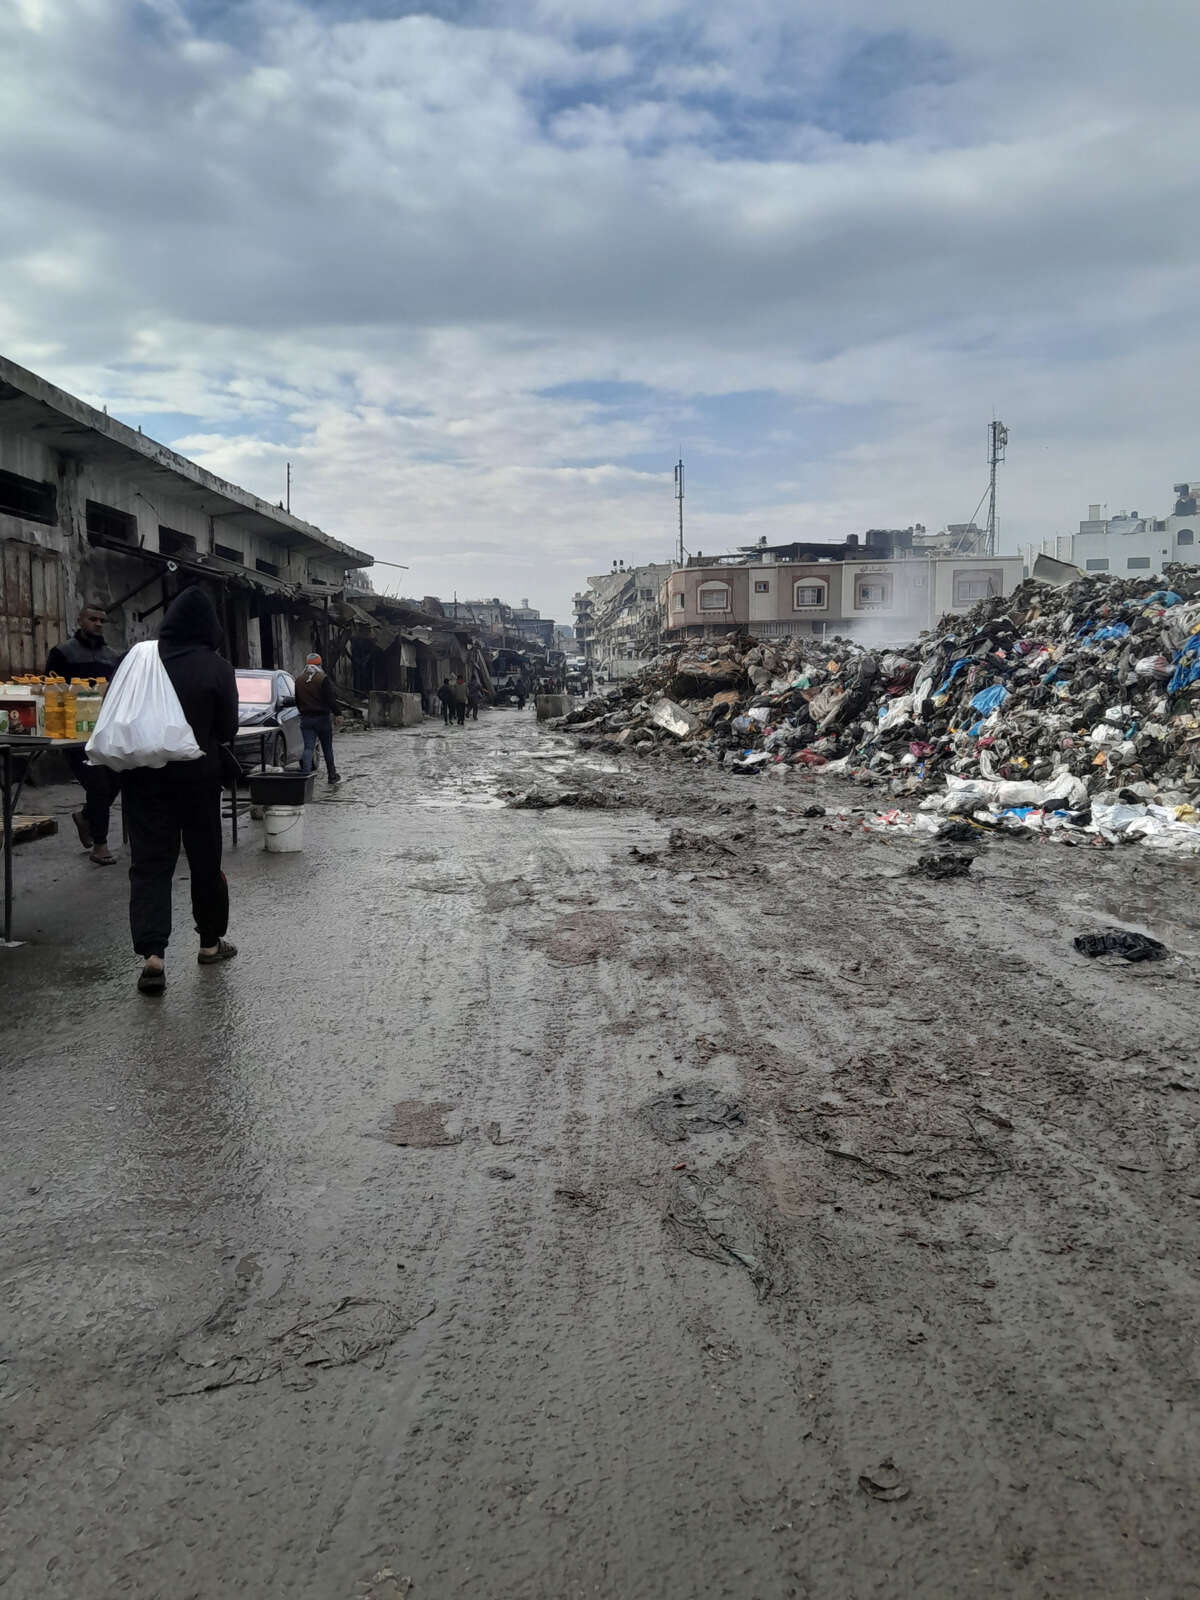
point(1128, 544)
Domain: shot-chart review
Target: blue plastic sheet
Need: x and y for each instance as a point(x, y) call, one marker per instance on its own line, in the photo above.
point(950, 676)
point(1114, 630)
point(1187, 666)
point(1166, 597)
point(988, 699)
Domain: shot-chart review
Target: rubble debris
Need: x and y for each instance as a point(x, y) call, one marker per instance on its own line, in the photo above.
point(691, 1108)
point(1066, 710)
point(1120, 942)
point(666, 714)
point(946, 865)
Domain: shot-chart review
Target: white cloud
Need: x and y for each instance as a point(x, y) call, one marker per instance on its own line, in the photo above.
point(371, 246)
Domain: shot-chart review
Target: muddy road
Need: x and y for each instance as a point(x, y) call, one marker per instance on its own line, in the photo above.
point(669, 1198)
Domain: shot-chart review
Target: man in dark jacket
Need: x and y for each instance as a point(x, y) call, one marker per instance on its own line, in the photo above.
point(317, 700)
point(459, 688)
point(181, 802)
point(475, 698)
point(446, 696)
point(86, 655)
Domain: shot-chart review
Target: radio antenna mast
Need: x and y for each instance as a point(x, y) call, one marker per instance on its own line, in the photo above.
point(679, 497)
point(997, 445)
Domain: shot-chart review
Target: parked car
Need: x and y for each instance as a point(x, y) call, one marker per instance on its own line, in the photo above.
point(267, 706)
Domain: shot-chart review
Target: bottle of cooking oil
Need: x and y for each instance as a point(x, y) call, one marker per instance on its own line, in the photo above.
point(89, 697)
point(54, 708)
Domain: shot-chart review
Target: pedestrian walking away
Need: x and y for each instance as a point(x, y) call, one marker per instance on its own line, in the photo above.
point(86, 654)
point(474, 699)
point(317, 702)
point(446, 696)
point(180, 803)
point(460, 700)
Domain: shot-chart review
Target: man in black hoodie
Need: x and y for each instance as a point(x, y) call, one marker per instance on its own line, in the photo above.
point(181, 802)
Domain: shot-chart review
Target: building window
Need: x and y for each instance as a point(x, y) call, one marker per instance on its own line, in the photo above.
point(762, 586)
point(1185, 536)
point(809, 596)
point(269, 567)
point(976, 585)
point(228, 553)
point(1138, 563)
point(1098, 564)
point(28, 499)
point(106, 522)
point(173, 543)
point(680, 602)
point(873, 593)
point(714, 597)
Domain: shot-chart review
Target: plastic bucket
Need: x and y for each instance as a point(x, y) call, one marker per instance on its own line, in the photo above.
point(284, 829)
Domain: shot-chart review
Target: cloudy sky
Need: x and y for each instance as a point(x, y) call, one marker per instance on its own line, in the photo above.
point(481, 269)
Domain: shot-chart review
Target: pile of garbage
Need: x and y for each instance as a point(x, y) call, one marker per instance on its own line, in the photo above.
point(1053, 709)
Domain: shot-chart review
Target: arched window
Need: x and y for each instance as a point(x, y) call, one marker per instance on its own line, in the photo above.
point(809, 594)
point(714, 597)
point(1185, 536)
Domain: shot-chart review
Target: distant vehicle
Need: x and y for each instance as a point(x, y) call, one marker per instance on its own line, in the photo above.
point(267, 706)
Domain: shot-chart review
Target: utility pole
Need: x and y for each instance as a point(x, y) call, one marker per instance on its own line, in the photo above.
point(679, 497)
point(288, 501)
point(997, 444)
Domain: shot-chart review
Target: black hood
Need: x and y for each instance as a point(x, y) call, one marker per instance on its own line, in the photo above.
point(190, 620)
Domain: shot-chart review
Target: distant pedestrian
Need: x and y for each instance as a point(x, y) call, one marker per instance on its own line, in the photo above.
point(446, 696)
point(460, 700)
point(474, 699)
point(522, 694)
point(86, 654)
point(317, 701)
point(180, 803)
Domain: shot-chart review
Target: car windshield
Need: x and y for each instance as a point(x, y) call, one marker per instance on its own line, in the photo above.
point(255, 691)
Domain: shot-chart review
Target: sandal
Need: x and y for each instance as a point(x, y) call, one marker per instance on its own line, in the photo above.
point(102, 856)
point(224, 952)
point(152, 980)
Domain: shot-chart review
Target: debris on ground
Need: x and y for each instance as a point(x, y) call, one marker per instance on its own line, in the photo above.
point(1070, 712)
point(1120, 942)
point(541, 799)
point(884, 1482)
point(947, 865)
point(691, 1108)
point(709, 1217)
point(355, 1329)
point(420, 1125)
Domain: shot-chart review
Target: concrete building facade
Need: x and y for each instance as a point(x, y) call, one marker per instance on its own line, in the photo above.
point(886, 600)
point(92, 510)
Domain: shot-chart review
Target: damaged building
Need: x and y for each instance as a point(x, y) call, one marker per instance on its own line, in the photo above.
point(93, 510)
point(883, 587)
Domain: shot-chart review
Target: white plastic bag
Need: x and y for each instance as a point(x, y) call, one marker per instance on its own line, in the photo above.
point(141, 723)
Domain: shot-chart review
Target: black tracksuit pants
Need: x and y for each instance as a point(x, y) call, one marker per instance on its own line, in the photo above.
point(100, 788)
point(164, 813)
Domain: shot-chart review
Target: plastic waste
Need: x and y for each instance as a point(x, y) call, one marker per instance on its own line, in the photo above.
point(1120, 942)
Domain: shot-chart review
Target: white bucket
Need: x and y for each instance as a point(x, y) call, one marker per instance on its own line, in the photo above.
point(284, 829)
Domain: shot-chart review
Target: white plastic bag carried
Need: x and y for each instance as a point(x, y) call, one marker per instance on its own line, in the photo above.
point(141, 723)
